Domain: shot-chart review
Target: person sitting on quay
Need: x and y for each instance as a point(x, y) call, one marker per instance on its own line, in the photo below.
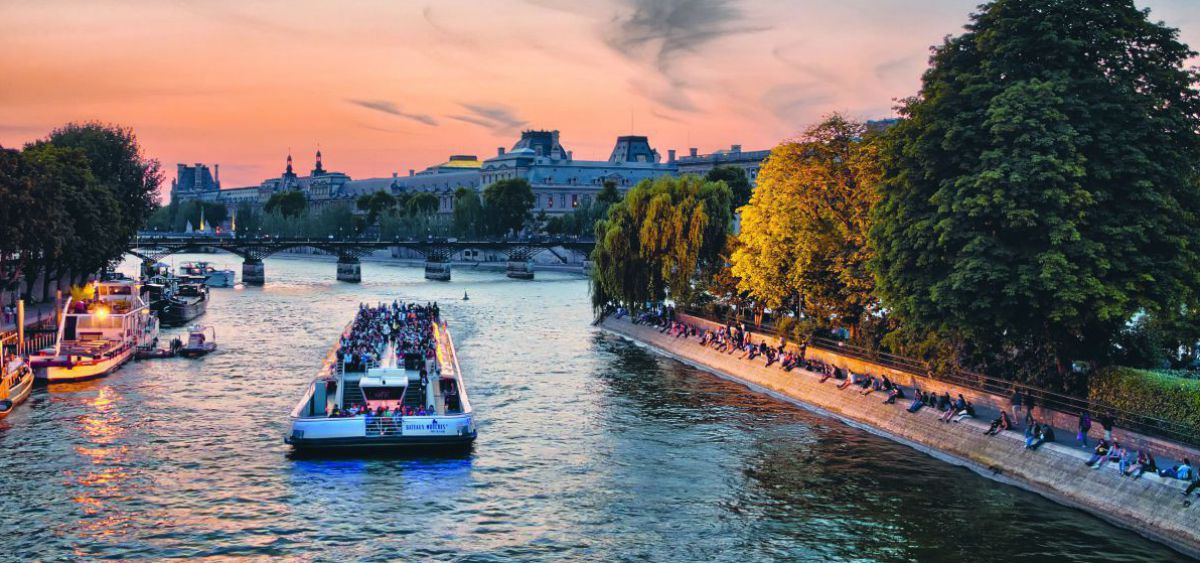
point(917, 402)
point(1101, 452)
point(967, 412)
point(1143, 463)
point(1183, 471)
point(955, 408)
point(1115, 453)
point(1001, 422)
point(850, 378)
point(943, 402)
point(895, 393)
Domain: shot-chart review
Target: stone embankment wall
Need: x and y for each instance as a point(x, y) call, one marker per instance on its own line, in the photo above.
point(1060, 420)
point(1150, 505)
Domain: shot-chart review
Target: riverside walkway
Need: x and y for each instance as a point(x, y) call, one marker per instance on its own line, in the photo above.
point(1150, 505)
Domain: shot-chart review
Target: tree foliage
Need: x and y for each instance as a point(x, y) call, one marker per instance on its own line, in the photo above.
point(376, 204)
point(737, 180)
point(1042, 189)
point(291, 203)
point(468, 213)
point(657, 239)
point(507, 204)
point(803, 236)
point(422, 203)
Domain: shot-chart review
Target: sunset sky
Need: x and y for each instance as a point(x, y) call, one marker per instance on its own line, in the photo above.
point(385, 86)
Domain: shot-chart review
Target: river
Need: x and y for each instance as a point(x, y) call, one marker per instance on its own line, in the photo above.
point(589, 447)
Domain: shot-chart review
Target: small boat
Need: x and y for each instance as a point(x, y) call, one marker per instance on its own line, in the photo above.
point(201, 341)
point(16, 381)
point(188, 302)
point(98, 335)
point(206, 273)
point(408, 394)
point(466, 297)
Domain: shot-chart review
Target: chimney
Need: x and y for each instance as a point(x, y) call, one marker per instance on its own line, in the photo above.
point(217, 174)
point(411, 171)
point(395, 174)
point(735, 148)
point(670, 156)
point(692, 152)
point(570, 155)
point(499, 151)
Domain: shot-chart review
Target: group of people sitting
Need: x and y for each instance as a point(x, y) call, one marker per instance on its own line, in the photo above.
point(381, 411)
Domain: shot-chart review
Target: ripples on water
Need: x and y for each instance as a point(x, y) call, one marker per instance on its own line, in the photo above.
point(589, 448)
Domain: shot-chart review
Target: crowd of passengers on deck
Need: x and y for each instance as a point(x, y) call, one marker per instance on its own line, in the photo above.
point(731, 339)
point(408, 326)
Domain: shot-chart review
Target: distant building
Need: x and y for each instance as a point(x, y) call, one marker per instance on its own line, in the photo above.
point(700, 164)
point(560, 182)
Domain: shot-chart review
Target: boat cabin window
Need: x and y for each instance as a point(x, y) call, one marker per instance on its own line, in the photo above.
point(373, 394)
point(116, 290)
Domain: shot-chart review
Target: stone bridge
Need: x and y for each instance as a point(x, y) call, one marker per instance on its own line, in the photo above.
point(437, 251)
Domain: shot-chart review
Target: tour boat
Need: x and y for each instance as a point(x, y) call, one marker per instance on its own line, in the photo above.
point(188, 302)
point(97, 336)
point(203, 272)
point(390, 383)
point(201, 341)
point(16, 381)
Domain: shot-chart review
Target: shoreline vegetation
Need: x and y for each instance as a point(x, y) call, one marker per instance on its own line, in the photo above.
point(1030, 216)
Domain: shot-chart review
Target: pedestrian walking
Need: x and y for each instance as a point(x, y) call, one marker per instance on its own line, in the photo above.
point(1029, 404)
point(1085, 424)
point(1016, 402)
point(1106, 422)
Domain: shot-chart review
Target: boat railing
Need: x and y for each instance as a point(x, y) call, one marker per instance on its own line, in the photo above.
point(384, 426)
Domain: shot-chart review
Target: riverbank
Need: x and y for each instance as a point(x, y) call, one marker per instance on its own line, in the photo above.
point(1151, 506)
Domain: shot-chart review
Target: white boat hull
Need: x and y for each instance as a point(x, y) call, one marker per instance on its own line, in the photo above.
point(89, 369)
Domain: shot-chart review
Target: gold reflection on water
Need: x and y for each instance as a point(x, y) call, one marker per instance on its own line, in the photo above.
point(105, 479)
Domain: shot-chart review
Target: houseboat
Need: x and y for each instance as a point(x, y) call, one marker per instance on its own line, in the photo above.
point(16, 380)
point(188, 301)
point(399, 391)
point(207, 274)
point(97, 335)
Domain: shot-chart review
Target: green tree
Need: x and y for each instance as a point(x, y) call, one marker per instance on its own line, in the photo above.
point(468, 213)
point(422, 203)
point(804, 232)
point(376, 204)
point(291, 203)
point(659, 239)
point(18, 224)
point(1041, 188)
point(118, 164)
point(247, 219)
point(507, 204)
point(737, 180)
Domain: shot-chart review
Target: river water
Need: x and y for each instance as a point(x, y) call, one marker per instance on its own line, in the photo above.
point(589, 447)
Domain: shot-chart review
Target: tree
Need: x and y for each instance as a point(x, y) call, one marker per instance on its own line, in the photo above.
point(735, 177)
point(376, 204)
point(658, 239)
point(804, 232)
point(422, 203)
point(1041, 188)
point(18, 225)
point(291, 203)
point(468, 212)
point(118, 164)
point(507, 204)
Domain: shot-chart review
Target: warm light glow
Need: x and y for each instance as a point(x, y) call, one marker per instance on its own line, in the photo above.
point(101, 312)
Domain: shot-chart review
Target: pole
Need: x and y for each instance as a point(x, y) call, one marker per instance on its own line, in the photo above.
point(57, 307)
point(20, 326)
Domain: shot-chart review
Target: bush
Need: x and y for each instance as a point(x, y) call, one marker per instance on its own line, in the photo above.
point(1157, 394)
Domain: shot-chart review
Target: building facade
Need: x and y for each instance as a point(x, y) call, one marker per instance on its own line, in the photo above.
point(560, 182)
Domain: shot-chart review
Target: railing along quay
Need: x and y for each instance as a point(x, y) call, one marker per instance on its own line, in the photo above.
point(1140, 422)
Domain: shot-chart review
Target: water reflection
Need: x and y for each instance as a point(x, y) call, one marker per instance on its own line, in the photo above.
point(589, 448)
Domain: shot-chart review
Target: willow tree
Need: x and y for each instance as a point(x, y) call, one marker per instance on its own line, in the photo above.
point(1040, 190)
point(658, 239)
point(804, 232)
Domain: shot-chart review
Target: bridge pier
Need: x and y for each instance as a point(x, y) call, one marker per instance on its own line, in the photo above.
point(253, 272)
point(519, 269)
point(349, 269)
point(587, 266)
point(437, 270)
